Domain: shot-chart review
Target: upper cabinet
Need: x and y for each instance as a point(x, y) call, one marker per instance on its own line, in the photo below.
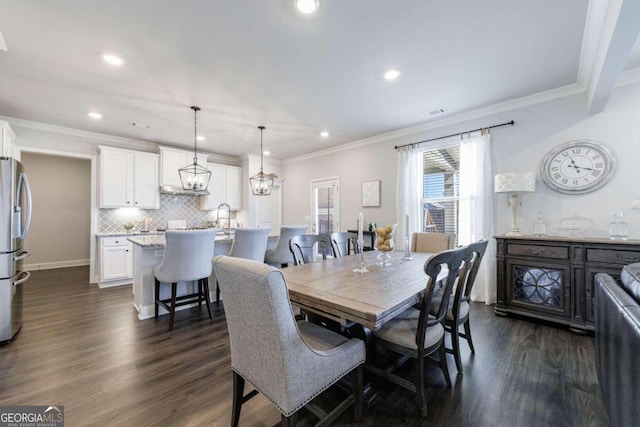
point(171, 160)
point(8, 147)
point(128, 179)
point(224, 187)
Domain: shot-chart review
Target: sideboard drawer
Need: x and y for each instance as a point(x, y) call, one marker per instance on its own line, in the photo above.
point(543, 251)
point(612, 256)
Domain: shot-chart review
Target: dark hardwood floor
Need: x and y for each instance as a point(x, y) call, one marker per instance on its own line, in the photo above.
point(84, 348)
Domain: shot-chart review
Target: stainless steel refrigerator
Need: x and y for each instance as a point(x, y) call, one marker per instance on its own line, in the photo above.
point(15, 217)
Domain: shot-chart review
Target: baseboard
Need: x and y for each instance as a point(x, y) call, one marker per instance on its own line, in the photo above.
point(57, 264)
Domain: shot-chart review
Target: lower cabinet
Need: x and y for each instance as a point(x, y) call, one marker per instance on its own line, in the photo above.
point(552, 278)
point(116, 261)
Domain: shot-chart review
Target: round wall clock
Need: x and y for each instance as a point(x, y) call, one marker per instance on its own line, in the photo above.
point(578, 167)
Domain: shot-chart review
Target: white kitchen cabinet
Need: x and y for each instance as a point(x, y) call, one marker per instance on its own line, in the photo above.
point(171, 160)
point(128, 179)
point(116, 261)
point(8, 147)
point(224, 187)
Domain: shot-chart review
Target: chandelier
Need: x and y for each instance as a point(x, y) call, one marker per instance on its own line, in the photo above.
point(261, 183)
point(195, 177)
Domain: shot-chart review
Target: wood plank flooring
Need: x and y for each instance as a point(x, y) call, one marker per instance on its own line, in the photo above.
point(84, 348)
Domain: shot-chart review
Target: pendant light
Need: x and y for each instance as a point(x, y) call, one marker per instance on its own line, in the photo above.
point(261, 183)
point(195, 177)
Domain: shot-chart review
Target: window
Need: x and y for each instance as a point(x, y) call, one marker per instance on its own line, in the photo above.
point(441, 190)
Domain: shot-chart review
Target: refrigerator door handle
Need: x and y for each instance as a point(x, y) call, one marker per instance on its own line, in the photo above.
point(23, 255)
point(23, 229)
point(24, 277)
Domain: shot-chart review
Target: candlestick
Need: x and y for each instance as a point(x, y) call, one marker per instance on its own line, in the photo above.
point(360, 225)
point(360, 267)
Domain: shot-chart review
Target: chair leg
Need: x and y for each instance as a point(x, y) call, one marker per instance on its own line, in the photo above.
point(217, 292)
point(455, 341)
point(443, 364)
point(157, 289)
point(357, 384)
point(205, 285)
point(172, 311)
point(289, 421)
point(467, 333)
point(422, 398)
point(238, 392)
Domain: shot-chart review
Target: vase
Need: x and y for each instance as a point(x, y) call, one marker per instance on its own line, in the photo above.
point(385, 244)
point(618, 228)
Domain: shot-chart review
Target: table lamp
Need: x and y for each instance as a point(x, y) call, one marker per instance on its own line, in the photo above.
point(514, 183)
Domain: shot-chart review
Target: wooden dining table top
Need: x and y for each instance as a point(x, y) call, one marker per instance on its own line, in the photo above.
point(332, 289)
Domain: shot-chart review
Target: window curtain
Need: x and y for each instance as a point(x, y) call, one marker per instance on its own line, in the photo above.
point(408, 197)
point(476, 210)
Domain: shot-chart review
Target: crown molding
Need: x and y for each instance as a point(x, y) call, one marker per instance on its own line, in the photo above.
point(513, 104)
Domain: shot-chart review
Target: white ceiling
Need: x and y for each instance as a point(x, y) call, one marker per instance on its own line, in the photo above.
point(257, 62)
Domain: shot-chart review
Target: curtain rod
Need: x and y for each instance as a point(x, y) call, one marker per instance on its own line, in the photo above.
point(511, 123)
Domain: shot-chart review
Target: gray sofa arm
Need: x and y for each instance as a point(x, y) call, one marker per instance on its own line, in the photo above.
point(617, 339)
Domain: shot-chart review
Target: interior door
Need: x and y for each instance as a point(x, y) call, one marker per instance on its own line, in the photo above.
point(325, 206)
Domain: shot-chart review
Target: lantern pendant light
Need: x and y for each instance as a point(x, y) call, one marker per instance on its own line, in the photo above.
point(195, 177)
point(261, 183)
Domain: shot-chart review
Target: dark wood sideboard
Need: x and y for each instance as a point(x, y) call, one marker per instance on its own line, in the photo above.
point(552, 277)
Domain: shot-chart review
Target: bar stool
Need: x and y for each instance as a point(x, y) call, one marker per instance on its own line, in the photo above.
point(187, 257)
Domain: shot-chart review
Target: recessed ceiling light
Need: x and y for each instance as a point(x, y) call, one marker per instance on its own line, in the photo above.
point(307, 6)
point(266, 153)
point(95, 115)
point(113, 59)
point(324, 134)
point(392, 74)
point(200, 138)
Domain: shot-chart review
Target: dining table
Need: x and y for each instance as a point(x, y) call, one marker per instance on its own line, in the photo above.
point(332, 289)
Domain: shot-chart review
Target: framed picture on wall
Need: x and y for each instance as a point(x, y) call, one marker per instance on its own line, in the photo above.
point(371, 194)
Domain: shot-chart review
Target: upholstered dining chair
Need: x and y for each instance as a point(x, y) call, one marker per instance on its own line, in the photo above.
point(431, 242)
point(187, 257)
point(458, 311)
point(288, 361)
point(302, 247)
point(343, 243)
point(418, 335)
point(248, 243)
point(281, 255)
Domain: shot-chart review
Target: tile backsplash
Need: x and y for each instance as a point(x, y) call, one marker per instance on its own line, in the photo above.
point(171, 207)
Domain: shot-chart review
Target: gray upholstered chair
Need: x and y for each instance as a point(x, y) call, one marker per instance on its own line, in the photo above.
point(281, 255)
point(303, 247)
point(287, 361)
point(415, 333)
point(248, 243)
point(187, 257)
point(431, 242)
point(344, 243)
point(458, 312)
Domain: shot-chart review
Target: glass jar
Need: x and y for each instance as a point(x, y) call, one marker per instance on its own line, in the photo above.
point(539, 227)
point(618, 228)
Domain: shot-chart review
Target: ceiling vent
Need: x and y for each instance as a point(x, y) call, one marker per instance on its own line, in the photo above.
point(436, 112)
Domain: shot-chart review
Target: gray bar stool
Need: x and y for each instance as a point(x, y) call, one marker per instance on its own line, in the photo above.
point(281, 255)
point(187, 257)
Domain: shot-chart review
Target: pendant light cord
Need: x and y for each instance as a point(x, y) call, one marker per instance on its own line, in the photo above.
point(261, 152)
point(195, 134)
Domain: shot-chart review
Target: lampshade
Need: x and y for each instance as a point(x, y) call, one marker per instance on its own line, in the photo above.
point(515, 182)
point(261, 183)
point(195, 177)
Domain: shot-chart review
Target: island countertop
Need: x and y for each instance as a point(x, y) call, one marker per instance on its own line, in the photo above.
point(158, 241)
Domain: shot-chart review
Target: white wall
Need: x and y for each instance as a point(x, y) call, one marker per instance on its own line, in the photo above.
point(538, 129)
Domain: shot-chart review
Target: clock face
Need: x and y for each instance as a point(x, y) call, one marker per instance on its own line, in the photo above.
point(578, 167)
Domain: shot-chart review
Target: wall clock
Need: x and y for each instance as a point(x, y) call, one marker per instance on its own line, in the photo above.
point(578, 167)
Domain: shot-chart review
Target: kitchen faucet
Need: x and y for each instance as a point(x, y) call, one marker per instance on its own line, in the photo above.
point(222, 205)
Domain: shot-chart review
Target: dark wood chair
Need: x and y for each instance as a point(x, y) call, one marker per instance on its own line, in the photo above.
point(458, 312)
point(344, 243)
point(303, 246)
point(415, 334)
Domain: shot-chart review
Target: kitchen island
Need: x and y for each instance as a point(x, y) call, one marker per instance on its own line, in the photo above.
point(147, 253)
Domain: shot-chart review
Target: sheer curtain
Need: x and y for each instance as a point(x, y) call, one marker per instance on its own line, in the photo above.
point(476, 210)
point(408, 197)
